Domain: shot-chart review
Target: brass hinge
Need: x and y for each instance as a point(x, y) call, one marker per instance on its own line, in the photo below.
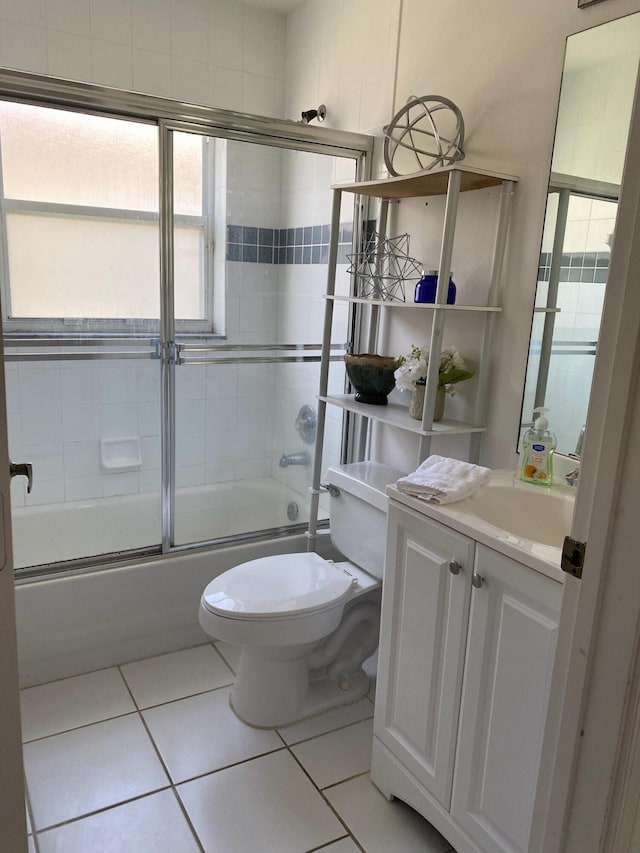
point(573, 557)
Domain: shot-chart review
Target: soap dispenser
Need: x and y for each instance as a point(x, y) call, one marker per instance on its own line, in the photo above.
point(538, 446)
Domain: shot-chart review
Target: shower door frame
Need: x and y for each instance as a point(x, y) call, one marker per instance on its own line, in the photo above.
point(173, 116)
point(171, 351)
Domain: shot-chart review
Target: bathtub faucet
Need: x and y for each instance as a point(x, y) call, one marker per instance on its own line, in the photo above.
point(301, 458)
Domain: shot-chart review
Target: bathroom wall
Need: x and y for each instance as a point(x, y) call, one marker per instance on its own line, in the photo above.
point(343, 54)
point(206, 51)
point(502, 64)
point(215, 52)
point(507, 88)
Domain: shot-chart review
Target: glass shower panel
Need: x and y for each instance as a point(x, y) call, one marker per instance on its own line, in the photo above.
point(242, 464)
point(584, 267)
point(80, 295)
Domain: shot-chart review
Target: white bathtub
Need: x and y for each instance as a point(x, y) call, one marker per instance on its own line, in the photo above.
point(76, 623)
point(66, 531)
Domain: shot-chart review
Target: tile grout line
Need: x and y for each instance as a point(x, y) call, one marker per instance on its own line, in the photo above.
point(329, 732)
point(102, 810)
point(319, 790)
point(185, 814)
point(173, 786)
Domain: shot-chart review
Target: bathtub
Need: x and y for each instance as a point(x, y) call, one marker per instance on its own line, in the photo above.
point(67, 531)
point(78, 622)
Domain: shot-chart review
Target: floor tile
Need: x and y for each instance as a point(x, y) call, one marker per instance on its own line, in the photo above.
point(379, 825)
point(338, 755)
point(230, 653)
point(176, 675)
point(327, 722)
point(267, 804)
point(153, 823)
point(202, 734)
point(72, 774)
point(79, 701)
point(345, 845)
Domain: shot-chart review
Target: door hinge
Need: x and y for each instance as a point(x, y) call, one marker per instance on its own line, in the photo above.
point(573, 557)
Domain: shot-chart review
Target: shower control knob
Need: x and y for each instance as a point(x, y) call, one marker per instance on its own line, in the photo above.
point(454, 567)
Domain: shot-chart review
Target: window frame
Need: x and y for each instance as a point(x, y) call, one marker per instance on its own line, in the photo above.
point(120, 327)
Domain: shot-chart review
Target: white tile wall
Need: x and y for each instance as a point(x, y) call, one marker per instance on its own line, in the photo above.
point(207, 51)
point(222, 53)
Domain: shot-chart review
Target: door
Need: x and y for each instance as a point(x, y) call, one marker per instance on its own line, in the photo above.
point(81, 324)
point(13, 830)
point(245, 305)
point(596, 654)
point(422, 644)
point(510, 650)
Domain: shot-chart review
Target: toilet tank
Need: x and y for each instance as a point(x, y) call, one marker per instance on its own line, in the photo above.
point(358, 514)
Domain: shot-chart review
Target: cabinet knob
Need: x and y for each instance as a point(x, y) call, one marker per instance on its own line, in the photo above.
point(477, 580)
point(454, 567)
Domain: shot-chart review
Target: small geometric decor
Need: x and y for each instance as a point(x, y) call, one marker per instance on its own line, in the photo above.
point(431, 128)
point(382, 267)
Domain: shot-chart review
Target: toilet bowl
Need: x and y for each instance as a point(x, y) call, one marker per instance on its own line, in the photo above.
point(304, 624)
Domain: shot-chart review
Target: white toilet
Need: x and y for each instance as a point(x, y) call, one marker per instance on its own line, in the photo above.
point(305, 624)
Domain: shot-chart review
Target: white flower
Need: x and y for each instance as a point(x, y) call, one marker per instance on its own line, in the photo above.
point(413, 369)
point(408, 374)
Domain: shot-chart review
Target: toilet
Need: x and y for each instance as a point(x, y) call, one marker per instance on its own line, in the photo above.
point(304, 624)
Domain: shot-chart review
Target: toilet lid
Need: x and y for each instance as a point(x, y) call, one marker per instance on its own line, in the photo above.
point(286, 584)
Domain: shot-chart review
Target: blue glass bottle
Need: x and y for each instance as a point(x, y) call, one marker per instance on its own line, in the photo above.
point(426, 288)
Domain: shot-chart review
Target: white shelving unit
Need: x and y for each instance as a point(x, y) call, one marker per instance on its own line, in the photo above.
point(450, 182)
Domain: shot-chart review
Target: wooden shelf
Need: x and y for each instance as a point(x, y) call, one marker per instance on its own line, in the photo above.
point(427, 183)
point(398, 416)
point(387, 303)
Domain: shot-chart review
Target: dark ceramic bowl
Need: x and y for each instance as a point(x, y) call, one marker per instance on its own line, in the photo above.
point(371, 376)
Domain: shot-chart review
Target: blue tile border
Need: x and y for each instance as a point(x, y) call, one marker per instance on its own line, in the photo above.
point(307, 244)
point(577, 267)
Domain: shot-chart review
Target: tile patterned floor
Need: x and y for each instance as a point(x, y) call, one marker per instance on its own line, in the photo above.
point(149, 757)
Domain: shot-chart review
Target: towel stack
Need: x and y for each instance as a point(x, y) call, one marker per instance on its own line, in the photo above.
point(442, 480)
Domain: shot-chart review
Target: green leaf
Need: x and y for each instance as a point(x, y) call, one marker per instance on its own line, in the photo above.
point(456, 374)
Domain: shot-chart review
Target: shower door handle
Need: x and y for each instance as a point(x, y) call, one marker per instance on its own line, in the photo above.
point(22, 469)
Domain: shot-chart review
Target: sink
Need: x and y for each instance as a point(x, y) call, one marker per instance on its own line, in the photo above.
point(525, 511)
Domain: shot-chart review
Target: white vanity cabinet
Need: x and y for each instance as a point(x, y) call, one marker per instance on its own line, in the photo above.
point(466, 652)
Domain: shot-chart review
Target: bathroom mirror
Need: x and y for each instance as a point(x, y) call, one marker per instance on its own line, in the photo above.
point(596, 98)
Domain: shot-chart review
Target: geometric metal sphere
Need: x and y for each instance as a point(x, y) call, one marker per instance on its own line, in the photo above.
point(382, 267)
point(431, 128)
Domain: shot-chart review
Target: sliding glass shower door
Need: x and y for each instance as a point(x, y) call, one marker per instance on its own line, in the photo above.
point(81, 308)
point(162, 292)
point(246, 377)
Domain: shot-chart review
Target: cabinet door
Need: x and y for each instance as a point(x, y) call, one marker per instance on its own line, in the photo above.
point(422, 645)
point(510, 647)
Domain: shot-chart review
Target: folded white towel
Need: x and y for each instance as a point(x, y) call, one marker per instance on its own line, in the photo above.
point(442, 480)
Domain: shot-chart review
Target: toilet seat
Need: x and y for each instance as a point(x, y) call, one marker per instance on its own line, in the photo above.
point(277, 587)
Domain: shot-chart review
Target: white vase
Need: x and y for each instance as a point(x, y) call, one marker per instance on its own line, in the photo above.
point(416, 405)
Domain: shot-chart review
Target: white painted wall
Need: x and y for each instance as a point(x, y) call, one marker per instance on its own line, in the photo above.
point(501, 62)
point(507, 88)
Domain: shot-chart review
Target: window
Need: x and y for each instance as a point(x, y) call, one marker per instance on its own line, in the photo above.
point(80, 226)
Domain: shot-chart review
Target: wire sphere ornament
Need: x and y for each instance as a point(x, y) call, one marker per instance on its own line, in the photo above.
point(382, 267)
point(431, 127)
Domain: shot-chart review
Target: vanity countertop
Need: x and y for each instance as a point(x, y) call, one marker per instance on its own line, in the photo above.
point(529, 513)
